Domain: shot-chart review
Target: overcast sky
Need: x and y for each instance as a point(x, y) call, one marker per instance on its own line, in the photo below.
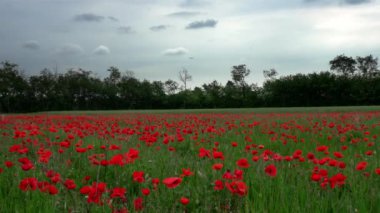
point(157, 38)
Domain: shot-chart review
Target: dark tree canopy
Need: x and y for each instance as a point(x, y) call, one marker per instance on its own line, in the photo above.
point(343, 65)
point(367, 65)
point(239, 73)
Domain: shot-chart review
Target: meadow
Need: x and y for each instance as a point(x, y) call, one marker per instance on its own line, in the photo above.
point(228, 160)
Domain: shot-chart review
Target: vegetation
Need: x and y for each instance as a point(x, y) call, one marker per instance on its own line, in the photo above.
point(350, 82)
point(191, 162)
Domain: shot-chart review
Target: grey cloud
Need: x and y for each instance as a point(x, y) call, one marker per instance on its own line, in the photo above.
point(184, 14)
point(32, 45)
point(125, 30)
point(356, 1)
point(193, 3)
point(70, 49)
point(209, 23)
point(175, 51)
point(89, 17)
point(101, 50)
point(351, 2)
point(112, 18)
point(159, 28)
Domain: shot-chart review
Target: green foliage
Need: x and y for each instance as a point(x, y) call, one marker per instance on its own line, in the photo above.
point(356, 82)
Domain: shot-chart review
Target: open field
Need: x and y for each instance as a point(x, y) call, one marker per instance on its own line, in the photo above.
point(245, 160)
point(228, 110)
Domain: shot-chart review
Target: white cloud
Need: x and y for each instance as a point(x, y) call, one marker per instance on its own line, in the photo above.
point(101, 50)
point(175, 51)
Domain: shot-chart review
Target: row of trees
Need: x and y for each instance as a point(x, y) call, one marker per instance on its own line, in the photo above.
point(353, 84)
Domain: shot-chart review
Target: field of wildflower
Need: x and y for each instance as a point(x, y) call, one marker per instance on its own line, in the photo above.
point(191, 162)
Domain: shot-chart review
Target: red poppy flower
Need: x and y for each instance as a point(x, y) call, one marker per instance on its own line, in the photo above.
point(271, 170)
point(186, 172)
point(361, 165)
point(242, 163)
point(85, 190)
point(184, 201)
point(27, 166)
point(227, 175)
point(377, 171)
point(310, 156)
point(8, 164)
point(218, 155)
point(342, 165)
point(155, 182)
point(70, 184)
point(53, 190)
point(337, 179)
point(238, 174)
point(255, 158)
point(316, 177)
point(237, 187)
point(322, 148)
point(28, 184)
point(118, 193)
point(338, 155)
point(218, 185)
point(94, 192)
point(138, 204)
point(217, 166)
point(138, 176)
point(204, 153)
point(323, 172)
point(172, 182)
point(145, 191)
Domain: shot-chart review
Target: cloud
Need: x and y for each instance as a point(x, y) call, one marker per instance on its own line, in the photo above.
point(175, 51)
point(184, 14)
point(101, 50)
point(193, 3)
point(159, 28)
point(32, 45)
point(351, 2)
point(70, 49)
point(356, 1)
point(88, 17)
point(125, 30)
point(112, 18)
point(211, 23)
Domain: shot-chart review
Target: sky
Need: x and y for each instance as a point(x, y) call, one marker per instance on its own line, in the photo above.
point(157, 38)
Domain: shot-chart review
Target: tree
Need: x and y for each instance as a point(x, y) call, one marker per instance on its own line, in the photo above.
point(13, 88)
point(170, 87)
point(43, 90)
point(239, 73)
point(343, 65)
point(231, 95)
point(270, 74)
point(213, 93)
point(184, 76)
point(114, 75)
point(367, 65)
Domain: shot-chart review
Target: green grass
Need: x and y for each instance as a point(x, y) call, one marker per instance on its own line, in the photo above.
point(228, 110)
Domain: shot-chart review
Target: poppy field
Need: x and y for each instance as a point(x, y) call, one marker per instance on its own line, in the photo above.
point(191, 162)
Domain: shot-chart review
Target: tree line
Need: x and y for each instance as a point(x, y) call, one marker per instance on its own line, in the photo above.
point(348, 82)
